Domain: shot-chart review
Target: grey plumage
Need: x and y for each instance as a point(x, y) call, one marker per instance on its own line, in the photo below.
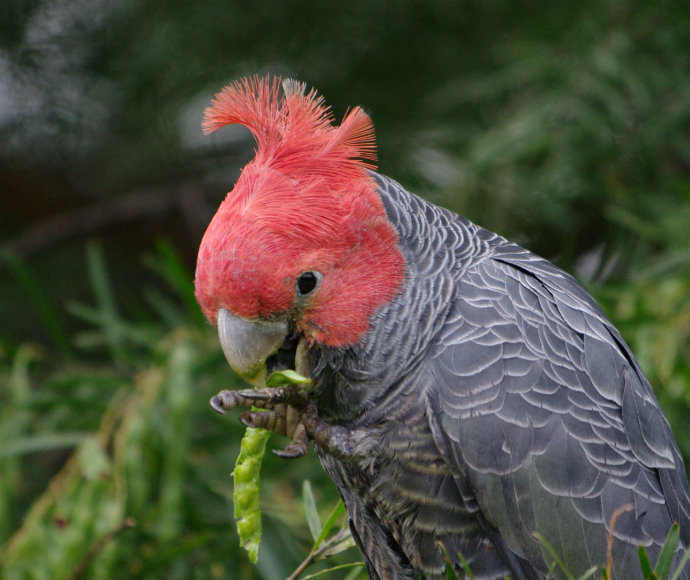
point(497, 400)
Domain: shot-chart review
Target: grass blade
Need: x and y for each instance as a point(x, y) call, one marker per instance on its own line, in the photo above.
point(555, 557)
point(48, 314)
point(645, 566)
point(681, 565)
point(168, 265)
point(105, 299)
point(663, 564)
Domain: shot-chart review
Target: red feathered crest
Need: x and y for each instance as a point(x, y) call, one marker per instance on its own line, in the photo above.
point(305, 202)
point(293, 129)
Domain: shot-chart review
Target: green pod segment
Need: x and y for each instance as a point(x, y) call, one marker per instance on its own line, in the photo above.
point(247, 474)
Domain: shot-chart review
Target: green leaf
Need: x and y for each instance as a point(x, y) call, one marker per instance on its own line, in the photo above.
point(589, 573)
point(681, 565)
point(645, 566)
point(330, 522)
point(553, 554)
point(341, 545)
point(466, 566)
point(286, 377)
point(42, 442)
point(663, 564)
point(310, 510)
point(356, 566)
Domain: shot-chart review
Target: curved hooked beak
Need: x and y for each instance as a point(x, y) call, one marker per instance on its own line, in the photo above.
point(248, 343)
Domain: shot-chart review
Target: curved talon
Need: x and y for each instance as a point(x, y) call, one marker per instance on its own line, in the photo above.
point(294, 450)
point(298, 447)
point(250, 419)
point(220, 404)
point(216, 406)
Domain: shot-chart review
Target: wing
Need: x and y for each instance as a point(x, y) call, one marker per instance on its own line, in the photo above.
point(541, 406)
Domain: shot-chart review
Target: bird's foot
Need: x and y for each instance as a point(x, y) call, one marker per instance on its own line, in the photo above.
point(287, 410)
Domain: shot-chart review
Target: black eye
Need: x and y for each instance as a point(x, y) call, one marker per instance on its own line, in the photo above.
point(307, 282)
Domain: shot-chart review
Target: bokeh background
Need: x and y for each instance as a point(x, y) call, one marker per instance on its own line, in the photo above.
point(564, 126)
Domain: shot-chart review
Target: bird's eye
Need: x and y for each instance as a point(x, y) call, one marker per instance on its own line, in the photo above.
point(307, 282)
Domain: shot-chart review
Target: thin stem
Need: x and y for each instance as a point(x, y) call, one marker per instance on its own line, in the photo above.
point(315, 554)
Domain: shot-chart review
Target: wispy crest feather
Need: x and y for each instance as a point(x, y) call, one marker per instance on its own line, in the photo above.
point(293, 127)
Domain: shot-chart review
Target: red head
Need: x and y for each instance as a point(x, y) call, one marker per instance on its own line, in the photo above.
point(305, 203)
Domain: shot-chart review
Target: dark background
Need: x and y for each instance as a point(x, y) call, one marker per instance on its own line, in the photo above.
point(563, 126)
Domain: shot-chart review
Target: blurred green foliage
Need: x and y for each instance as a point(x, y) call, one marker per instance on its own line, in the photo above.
point(564, 126)
point(145, 491)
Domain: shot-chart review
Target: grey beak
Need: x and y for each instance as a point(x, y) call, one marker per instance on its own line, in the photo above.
point(248, 343)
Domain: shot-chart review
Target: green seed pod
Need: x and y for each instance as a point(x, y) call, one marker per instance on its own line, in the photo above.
point(247, 472)
point(246, 490)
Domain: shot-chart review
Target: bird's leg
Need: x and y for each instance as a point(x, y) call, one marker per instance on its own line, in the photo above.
point(289, 411)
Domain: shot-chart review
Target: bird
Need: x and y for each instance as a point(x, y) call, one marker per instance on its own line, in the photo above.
point(475, 407)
